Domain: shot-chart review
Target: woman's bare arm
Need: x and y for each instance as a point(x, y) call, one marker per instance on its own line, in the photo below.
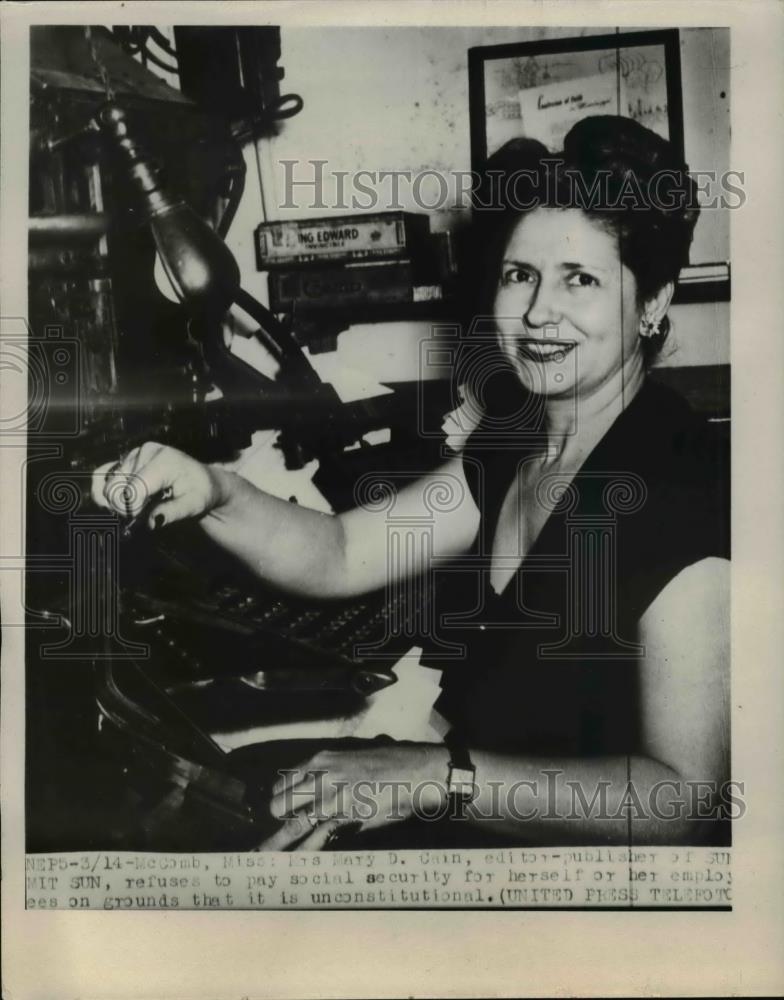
point(683, 758)
point(322, 555)
point(300, 550)
point(662, 794)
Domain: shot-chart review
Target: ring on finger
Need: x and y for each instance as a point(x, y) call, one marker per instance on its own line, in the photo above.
point(312, 820)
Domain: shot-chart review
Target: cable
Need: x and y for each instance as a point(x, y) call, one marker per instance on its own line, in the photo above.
point(135, 40)
point(279, 111)
point(236, 191)
point(163, 42)
point(158, 62)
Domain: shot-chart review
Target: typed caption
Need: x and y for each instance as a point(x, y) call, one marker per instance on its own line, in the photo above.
point(496, 878)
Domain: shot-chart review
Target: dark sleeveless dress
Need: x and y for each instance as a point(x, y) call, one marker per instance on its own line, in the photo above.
point(551, 664)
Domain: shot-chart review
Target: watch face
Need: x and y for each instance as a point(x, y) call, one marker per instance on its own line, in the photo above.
point(461, 782)
point(461, 776)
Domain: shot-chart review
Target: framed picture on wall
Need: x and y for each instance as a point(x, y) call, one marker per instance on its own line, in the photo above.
point(540, 89)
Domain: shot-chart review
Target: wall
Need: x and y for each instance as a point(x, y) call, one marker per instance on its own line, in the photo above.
point(397, 99)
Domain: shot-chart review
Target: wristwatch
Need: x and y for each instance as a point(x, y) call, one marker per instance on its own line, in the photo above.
point(461, 776)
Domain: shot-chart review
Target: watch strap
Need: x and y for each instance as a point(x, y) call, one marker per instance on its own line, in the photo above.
point(458, 751)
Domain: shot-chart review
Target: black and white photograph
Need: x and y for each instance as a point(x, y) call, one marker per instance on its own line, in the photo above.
point(378, 520)
point(390, 506)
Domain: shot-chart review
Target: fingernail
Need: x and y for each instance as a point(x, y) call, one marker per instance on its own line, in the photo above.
point(159, 521)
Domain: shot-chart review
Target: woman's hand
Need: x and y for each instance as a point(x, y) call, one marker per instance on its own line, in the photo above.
point(370, 788)
point(185, 488)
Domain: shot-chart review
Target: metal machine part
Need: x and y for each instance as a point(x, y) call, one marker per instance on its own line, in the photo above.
point(113, 364)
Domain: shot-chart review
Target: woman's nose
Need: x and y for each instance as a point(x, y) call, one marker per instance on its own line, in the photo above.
point(542, 309)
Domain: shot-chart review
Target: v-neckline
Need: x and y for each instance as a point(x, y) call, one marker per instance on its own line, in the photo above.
point(604, 442)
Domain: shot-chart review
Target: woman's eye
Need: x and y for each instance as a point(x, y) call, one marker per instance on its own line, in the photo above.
point(582, 280)
point(516, 276)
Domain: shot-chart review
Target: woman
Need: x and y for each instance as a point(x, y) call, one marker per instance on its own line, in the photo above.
point(592, 705)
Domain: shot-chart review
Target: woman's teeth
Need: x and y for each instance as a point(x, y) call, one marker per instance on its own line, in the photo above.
point(544, 353)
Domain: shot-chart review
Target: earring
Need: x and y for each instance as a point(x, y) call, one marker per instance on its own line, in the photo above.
point(650, 327)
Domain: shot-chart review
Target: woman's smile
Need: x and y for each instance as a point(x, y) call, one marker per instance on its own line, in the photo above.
point(544, 351)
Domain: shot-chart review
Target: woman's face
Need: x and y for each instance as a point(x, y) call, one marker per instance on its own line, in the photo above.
point(566, 309)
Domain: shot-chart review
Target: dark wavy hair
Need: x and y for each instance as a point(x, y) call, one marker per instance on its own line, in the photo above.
point(619, 173)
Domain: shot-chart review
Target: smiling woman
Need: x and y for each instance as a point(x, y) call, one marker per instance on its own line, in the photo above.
point(592, 603)
point(602, 650)
point(564, 292)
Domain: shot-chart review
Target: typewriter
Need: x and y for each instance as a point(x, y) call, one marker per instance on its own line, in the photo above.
point(219, 652)
point(235, 651)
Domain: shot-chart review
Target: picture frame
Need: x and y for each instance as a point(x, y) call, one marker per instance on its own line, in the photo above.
point(539, 89)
